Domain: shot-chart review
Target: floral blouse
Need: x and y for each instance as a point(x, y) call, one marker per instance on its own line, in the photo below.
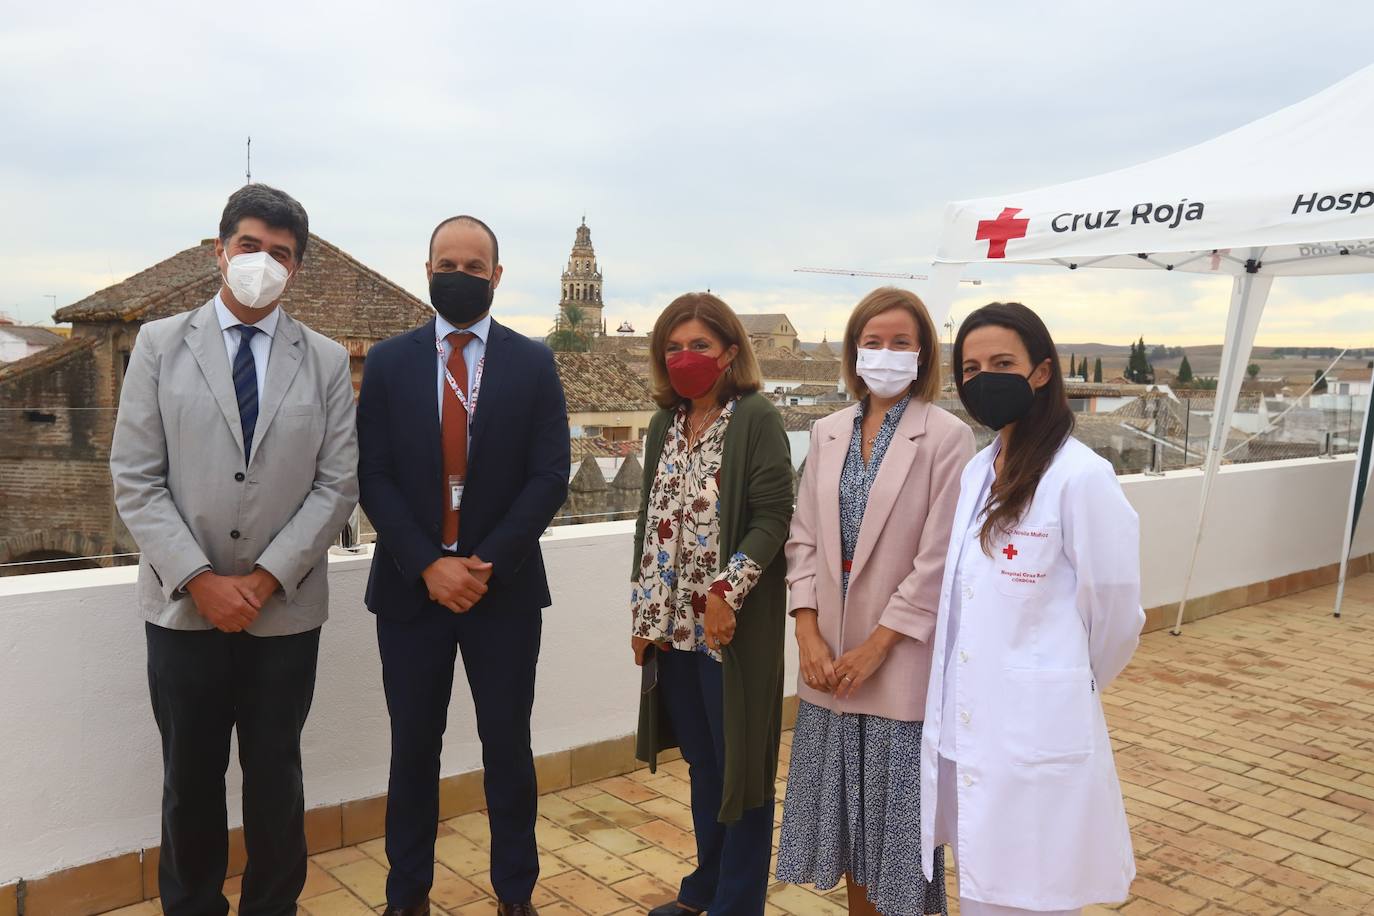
point(681, 564)
point(857, 478)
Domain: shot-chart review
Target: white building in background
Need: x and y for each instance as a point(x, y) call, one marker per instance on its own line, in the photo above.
point(19, 341)
point(1349, 384)
point(783, 375)
point(1355, 402)
point(1346, 392)
point(808, 395)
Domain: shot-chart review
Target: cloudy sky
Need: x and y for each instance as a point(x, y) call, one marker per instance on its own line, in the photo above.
point(714, 145)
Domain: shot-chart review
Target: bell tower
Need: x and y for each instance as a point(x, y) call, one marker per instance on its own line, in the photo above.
point(581, 288)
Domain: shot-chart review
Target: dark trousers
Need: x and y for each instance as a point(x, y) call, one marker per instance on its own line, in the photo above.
point(731, 878)
point(500, 648)
point(204, 684)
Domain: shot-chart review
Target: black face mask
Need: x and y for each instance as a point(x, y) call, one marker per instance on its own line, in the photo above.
point(996, 399)
point(461, 298)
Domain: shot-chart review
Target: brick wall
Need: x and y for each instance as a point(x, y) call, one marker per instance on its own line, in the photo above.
point(55, 431)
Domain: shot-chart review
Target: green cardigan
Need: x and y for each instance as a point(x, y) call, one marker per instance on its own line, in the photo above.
point(755, 512)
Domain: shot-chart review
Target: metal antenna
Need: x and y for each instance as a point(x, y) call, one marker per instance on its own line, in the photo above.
point(248, 173)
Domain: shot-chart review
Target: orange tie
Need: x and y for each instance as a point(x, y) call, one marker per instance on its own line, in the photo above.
point(455, 428)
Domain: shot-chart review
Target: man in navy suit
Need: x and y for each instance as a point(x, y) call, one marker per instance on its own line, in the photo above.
point(463, 462)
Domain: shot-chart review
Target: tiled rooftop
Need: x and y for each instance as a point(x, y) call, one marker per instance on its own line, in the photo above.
point(1245, 747)
point(799, 418)
point(335, 294)
point(595, 382)
point(810, 370)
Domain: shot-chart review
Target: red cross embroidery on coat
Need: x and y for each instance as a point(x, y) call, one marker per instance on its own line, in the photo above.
point(1010, 552)
point(997, 232)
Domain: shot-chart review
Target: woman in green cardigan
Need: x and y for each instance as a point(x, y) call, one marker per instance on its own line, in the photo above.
point(708, 596)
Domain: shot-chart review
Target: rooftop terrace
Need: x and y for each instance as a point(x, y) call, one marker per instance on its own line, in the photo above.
point(1246, 753)
point(1245, 746)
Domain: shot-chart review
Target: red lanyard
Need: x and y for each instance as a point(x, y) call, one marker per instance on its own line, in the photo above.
point(469, 403)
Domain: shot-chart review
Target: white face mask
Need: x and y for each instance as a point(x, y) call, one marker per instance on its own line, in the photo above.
point(887, 373)
point(256, 279)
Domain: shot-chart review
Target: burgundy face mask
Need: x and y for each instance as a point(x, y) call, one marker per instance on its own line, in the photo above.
point(692, 374)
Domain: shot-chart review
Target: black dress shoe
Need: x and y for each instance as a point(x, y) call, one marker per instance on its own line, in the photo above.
point(419, 909)
point(516, 909)
point(673, 908)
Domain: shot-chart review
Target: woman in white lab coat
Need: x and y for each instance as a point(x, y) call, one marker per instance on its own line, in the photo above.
point(1039, 611)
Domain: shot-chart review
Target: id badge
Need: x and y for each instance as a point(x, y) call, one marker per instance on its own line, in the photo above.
point(455, 492)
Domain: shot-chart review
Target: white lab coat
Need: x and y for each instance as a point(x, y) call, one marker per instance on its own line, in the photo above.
point(1041, 822)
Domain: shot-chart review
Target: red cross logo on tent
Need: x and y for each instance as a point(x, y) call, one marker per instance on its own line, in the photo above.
point(997, 232)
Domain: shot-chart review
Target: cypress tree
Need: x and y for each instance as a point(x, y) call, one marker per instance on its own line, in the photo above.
point(1140, 370)
point(1097, 369)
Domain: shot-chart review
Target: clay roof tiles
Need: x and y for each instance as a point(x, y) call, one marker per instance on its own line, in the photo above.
point(595, 382)
point(335, 294)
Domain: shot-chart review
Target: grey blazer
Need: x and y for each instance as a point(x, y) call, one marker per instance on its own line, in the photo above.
point(179, 478)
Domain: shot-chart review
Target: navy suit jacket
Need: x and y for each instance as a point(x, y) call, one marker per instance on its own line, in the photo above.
point(517, 472)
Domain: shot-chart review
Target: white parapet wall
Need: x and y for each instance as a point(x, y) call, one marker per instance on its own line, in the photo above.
point(1265, 521)
point(80, 771)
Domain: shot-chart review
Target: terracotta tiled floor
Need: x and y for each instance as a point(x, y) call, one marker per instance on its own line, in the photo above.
point(1246, 750)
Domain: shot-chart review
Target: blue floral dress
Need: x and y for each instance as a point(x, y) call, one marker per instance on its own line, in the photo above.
point(853, 803)
point(680, 565)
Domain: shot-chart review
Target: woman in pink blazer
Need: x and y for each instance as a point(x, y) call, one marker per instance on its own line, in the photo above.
point(865, 560)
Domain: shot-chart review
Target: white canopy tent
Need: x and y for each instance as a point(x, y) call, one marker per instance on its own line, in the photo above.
point(1291, 194)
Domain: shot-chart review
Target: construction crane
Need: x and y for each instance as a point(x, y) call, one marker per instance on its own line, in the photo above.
point(841, 272)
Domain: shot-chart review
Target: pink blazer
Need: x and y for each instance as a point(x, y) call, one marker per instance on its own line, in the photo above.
point(899, 561)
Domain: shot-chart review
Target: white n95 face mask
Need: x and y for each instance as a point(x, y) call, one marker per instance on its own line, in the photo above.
point(256, 279)
point(887, 373)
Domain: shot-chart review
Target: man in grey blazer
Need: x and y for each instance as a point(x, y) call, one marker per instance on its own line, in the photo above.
point(234, 465)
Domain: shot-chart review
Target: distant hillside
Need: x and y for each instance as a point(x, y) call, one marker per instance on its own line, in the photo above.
point(1094, 349)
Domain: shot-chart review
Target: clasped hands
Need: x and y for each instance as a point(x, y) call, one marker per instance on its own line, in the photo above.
point(457, 582)
point(232, 603)
point(719, 624)
point(845, 675)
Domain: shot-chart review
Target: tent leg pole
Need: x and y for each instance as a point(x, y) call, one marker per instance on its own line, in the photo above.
point(1358, 479)
point(1345, 543)
point(1249, 292)
point(1192, 560)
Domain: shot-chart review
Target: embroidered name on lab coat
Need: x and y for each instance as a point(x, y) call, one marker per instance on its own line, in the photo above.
point(1024, 550)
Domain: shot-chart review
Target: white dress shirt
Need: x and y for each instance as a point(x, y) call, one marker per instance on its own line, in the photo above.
point(260, 344)
point(473, 351)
